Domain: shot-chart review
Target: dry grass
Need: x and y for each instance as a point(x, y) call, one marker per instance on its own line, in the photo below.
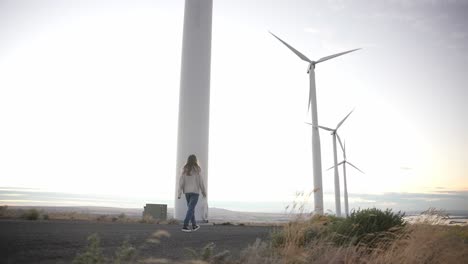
point(416, 243)
point(427, 244)
point(309, 240)
point(147, 219)
point(156, 237)
point(14, 213)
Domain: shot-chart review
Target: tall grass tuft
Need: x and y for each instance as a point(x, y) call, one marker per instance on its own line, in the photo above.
point(368, 236)
point(126, 253)
point(93, 252)
point(207, 254)
point(369, 226)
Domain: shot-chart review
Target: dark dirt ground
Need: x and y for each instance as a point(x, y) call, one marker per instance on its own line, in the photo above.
point(53, 241)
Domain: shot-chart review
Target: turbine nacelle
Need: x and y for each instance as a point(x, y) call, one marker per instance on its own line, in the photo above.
point(334, 131)
point(311, 67)
point(345, 162)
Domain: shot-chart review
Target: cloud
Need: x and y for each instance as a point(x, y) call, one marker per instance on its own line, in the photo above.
point(18, 189)
point(27, 196)
point(443, 199)
point(311, 30)
point(405, 168)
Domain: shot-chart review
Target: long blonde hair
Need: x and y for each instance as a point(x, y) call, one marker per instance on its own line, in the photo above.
point(191, 166)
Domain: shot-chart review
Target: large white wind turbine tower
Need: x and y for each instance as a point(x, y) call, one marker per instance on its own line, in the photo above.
point(334, 133)
point(344, 162)
point(312, 104)
point(194, 97)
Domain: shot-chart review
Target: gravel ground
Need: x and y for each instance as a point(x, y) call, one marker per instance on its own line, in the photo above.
point(24, 241)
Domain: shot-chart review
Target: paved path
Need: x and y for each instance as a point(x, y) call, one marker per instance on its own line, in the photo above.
point(24, 241)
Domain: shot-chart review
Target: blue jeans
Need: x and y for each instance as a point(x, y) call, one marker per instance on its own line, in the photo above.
point(192, 199)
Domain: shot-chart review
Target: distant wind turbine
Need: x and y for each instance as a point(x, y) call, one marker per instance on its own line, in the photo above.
point(344, 162)
point(312, 104)
point(334, 133)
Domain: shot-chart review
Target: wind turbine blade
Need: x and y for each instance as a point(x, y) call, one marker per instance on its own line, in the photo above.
point(309, 123)
point(341, 144)
point(355, 167)
point(344, 119)
point(302, 56)
point(326, 128)
point(336, 165)
point(335, 55)
point(344, 149)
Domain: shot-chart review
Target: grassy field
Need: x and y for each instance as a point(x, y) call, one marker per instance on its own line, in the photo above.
point(44, 214)
point(313, 241)
point(367, 236)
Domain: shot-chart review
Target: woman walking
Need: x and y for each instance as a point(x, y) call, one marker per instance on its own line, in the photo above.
point(190, 184)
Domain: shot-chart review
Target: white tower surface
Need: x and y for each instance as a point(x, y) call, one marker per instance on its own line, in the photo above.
point(194, 97)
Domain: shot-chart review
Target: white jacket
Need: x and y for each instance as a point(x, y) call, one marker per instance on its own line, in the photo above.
point(191, 184)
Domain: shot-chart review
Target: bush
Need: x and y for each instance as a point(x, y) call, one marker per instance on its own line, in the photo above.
point(122, 217)
point(365, 226)
point(277, 238)
point(147, 219)
point(31, 214)
point(301, 232)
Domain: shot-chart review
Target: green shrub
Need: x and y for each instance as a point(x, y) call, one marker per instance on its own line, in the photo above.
point(311, 233)
point(367, 226)
point(93, 252)
point(31, 214)
point(302, 231)
point(277, 238)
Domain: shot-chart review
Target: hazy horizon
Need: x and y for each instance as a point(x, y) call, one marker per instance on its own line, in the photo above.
point(444, 200)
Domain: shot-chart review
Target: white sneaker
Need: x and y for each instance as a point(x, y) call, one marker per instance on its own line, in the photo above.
point(186, 229)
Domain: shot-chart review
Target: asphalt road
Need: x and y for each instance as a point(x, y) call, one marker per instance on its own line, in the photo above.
point(24, 241)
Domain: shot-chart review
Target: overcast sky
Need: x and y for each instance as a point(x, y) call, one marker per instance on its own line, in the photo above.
point(89, 94)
